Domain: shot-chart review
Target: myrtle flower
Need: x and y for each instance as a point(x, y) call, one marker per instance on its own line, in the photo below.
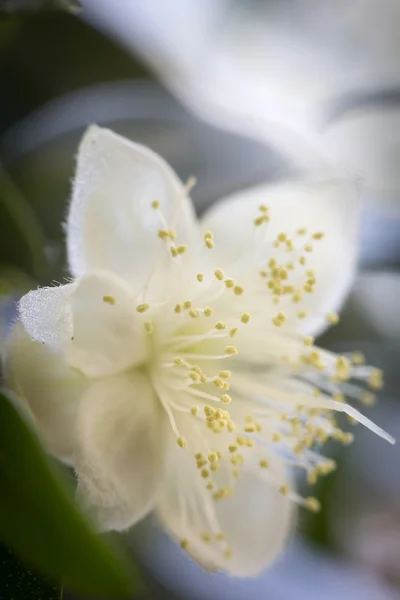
point(177, 371)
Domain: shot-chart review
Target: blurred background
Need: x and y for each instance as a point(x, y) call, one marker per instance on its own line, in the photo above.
point(235, 92)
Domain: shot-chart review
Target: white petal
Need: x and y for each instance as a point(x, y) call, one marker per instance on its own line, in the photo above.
point(108, 336)
point(256, 519)
point(121, 445)
point(51, 390)
point(330, 207)
point(46, 315)
point(111, 224)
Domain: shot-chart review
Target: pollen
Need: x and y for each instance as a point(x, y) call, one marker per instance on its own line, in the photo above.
point(238, 290)
point(182, 442)
point(141, 308)
point(230, 350)
point(109, 300)
point(332, 318)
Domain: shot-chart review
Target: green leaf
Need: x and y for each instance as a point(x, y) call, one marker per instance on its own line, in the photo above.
point(38, 517)
point(19, 583)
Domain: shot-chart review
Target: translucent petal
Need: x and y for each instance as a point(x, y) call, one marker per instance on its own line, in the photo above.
point(111, 224)
point(242, 249)
point(119, 460)
point(255, 521)
point(46, 315)
point(49, 388)
point(108, 333)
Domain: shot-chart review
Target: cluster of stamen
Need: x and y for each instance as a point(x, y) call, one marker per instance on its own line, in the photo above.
point(294, 420)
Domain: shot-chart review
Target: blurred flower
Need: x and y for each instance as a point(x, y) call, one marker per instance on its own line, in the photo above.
point(125, 368)
point(319, 80)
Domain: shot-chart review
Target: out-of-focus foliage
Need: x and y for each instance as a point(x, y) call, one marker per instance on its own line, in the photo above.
point(39, 520)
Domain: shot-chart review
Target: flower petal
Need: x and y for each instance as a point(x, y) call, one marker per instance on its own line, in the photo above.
point(46, 315)
point(256, 519)
point(241, 248)
point(108, 333)
point(121, 445)
point(111, 224)
point(49, 388)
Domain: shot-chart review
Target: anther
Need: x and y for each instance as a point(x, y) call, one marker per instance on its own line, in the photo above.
point(230, 350)
point(155, 204)
point(149, 327)
point(226, 399)
point(245, 318)
point(200, 277)
point(109, 300)
point(182, 442)
point(208, 311)
point(238, 290)
point(332, 318)
point(219, 274)
point(229, 283)
point(141, 308)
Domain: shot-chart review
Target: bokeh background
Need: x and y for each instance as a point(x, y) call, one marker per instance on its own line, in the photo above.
point(234, 92)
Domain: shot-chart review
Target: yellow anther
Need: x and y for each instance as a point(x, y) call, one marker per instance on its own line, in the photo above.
point(208, 235)
point(214, 466)
point(198, 455)
point(309, 288)
point(238, 290)
point(313, 504)
point(308, 248)
point(228, 553)
point(163, 234)
point(375, 380)
point(225, 374)
point(226, 399)
point(245, 318)
point(276, 300)
point(312, 477)
point(302, 231)
point(213, 457)
point(233, 331)
point(174, 251)
point(297, 297)
point(276, 437)
point(318, 236)
point(187, 305)
point(141, 308)
point(289, 245)
point(240, 440)
point(302, 260)
point(209, 411)
point(181, 249)
point(195, 410)
point(206, 537)
point(280, 319)
point(249, 442)
point(235, 473)
point(220, 325)
point(208, 311)
point(109, 300)
point(250, 428)
point(310, 273)
point(368, 399)
point(178, 308)
point(302, 314)
point(178, 360)
point(184, 544)
point(284, 490)
point(194, 313)
point(205, 473)
point(332, 318)
point(203, 378)
point(172, 234)
point(264, 464)
point(262, 208)
point(209, 243)
point(281, 237)
point(230, 350)
point(194, 376)
point(338, 397)
point(358, 358)
point(210, 486)
point(200, 277)
point(201, 463)
point(182, 442)
point(149, 327)
point(260, 220)
point(263, 274)
point(308, 340)
point(219, 274)
point(155, 204)
point(218, 382)
point(231, 426)
point(283, 274)
point(229, 283)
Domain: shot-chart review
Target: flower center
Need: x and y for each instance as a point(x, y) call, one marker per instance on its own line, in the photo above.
point(229, 365)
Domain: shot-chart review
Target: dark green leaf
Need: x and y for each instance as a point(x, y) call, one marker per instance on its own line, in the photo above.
point(38, 517)
point(19, 583)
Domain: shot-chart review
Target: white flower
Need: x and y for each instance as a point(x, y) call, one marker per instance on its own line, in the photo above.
point(173, 371)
